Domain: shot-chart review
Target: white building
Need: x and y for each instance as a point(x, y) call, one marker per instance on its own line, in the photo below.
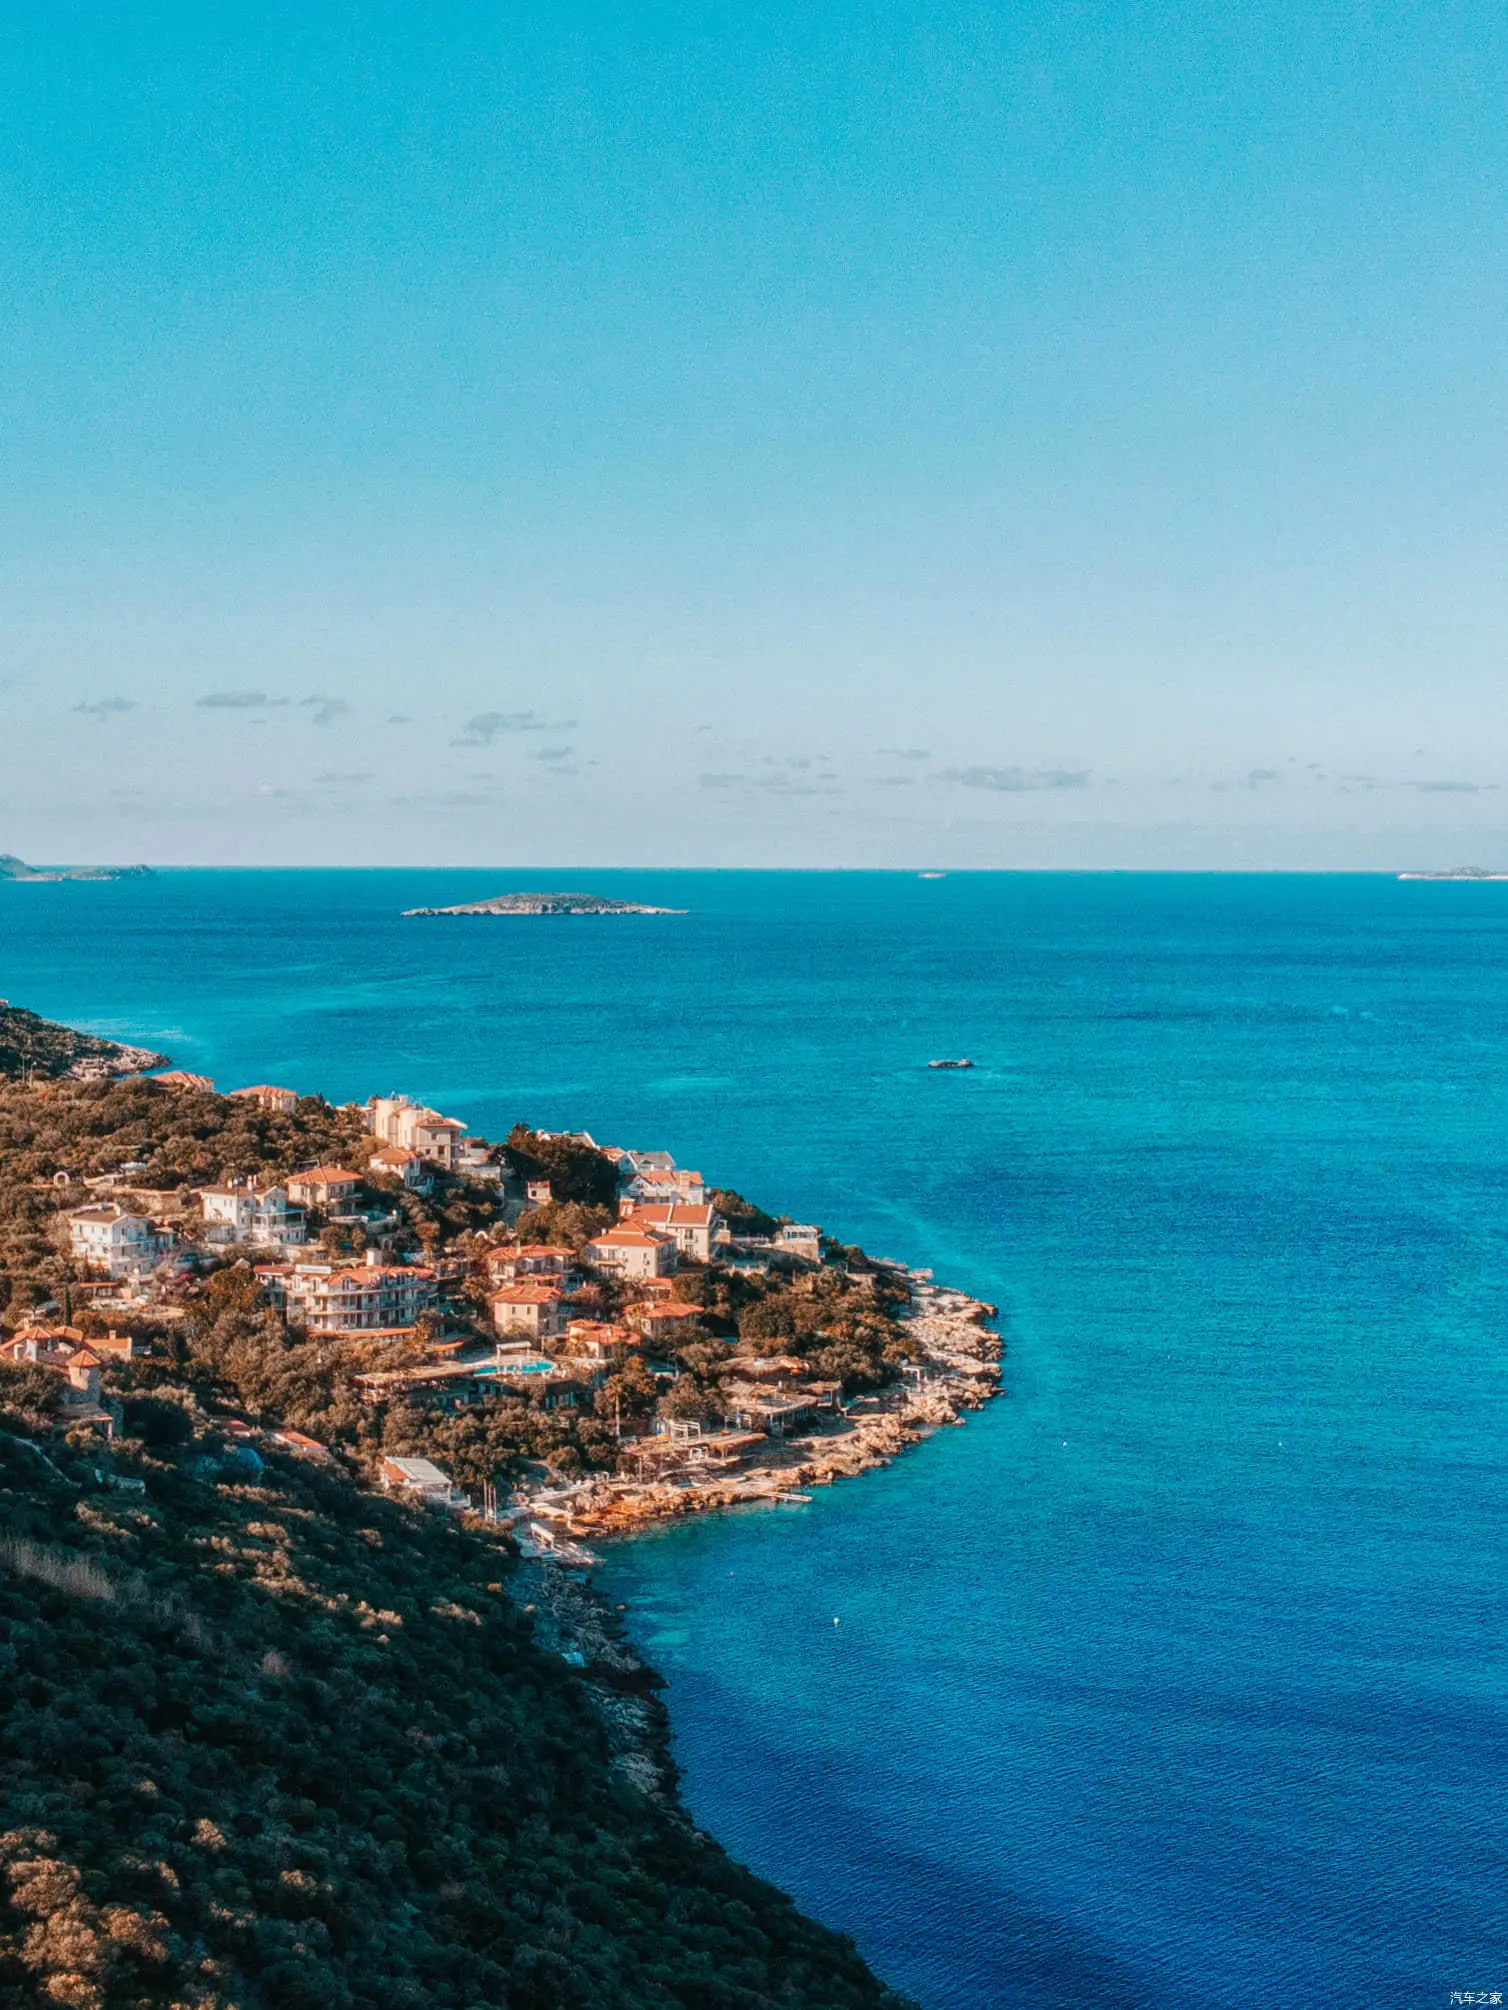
point(253, 1214)
point(422, 1477)
point(400, 1163)
point(397, 1121)
point(370, 1297)
point(800, 1238)
point(675, 1183)
point(474, 1159)
point(115, 1244)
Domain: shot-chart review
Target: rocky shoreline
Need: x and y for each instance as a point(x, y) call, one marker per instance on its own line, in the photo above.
point(959, 1371)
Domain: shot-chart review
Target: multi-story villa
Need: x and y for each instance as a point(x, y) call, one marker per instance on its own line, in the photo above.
point(115, 1244)
point(252, 1214)
point(323, 1186)
point(284, 1101)
point(693, 1229)
point(632, 1252)
point(401, 1163)
point(370, 1297)
point(543, 1261)
point(535, 1309)
point(397, 1121)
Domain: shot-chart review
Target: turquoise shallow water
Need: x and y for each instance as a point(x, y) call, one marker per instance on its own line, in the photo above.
point(1177, 1677)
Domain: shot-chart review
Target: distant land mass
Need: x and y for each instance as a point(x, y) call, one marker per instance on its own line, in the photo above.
point(1457, 872)
point(12, 867)
point(31, 1046)
point(546, 903)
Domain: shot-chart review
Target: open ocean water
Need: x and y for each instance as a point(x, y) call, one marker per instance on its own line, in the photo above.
point(1176, 1678)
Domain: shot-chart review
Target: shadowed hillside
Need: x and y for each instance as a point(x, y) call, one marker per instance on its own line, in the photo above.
point(273, 1741)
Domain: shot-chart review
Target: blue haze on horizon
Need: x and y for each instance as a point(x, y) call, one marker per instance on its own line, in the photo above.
point(803, 435)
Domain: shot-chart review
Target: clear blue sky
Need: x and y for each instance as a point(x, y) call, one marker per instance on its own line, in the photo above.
point(1062, 433)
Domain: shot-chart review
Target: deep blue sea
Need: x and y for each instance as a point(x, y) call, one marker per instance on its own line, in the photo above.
point(1177, 1678)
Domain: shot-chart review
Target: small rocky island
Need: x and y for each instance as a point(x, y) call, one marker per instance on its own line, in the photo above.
point(546, 903)
point(15, 868)
point(1457, 872)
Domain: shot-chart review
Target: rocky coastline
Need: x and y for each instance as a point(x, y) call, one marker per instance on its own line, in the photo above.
point(34, 1048)
point(959, 1371)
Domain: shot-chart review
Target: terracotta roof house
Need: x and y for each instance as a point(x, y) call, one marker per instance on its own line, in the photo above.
point(372, 1298)
point(270, 1098)
point(664, 1319)
point(535, 1259)
point(691, 1226)
point(631, 1252)
point(598, 1340)
point(321, 1185)
point(534, 1309)
point(400, 1162)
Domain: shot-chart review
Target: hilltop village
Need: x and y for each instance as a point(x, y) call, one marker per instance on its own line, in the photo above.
point(565, 1336)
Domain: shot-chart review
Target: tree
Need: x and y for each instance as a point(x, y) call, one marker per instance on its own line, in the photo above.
point(688, 1400)
point(741, 1215)
point(575, 1171)
point(567, 1223)
point(631, 1392)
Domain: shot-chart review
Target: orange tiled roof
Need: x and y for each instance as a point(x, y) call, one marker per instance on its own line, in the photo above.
point(367, 1273)
point(675, 1213)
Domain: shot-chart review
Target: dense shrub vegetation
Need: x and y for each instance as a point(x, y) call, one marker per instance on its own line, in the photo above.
point(274, 1742)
